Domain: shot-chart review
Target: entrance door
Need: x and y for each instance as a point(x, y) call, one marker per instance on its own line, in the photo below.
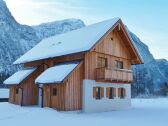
point(40, 98)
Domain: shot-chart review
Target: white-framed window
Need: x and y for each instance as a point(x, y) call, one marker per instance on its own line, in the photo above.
point(110, 92)
point(98, 92)
point(121, 93)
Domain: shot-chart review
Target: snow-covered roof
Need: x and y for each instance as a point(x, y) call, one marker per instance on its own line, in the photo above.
point(75, 41)
point(18, 77)
point(56, 74)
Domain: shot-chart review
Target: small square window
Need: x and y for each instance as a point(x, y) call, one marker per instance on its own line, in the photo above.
point(54, 93)
point(17, 90)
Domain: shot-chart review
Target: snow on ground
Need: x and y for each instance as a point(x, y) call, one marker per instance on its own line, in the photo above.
point(4, 93)
point(144, 112)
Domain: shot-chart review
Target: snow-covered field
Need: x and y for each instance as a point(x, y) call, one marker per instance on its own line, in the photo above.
point(4, 93)
point(144, 112)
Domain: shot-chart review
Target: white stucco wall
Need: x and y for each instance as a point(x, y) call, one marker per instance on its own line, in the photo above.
point(92, 105)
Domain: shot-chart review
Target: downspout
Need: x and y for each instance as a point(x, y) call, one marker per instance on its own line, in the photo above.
point(41, 96)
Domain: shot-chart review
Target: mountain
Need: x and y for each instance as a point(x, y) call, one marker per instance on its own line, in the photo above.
point(150, 76)
point(16, 39)
point(57, 27)
point(163, 66)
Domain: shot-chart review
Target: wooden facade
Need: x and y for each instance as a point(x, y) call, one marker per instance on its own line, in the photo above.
point(113, 49)
point(26, 93)
point(114, 46)
point(69, 92)
point(114, 75)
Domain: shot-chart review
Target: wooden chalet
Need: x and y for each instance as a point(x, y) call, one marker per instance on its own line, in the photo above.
point(86, 69)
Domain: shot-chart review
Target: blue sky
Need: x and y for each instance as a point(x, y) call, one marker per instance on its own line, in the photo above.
point(146, 18)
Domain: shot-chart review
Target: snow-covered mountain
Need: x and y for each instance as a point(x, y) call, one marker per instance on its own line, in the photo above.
point(16, 39)
point(57, 27)
point(150, 76)
point(163, 66)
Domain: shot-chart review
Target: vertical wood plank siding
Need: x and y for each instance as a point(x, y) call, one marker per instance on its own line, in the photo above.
point(29, 90)
point(69, 93)
point(112, 48)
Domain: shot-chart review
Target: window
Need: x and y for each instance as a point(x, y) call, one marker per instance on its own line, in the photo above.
point(110, 92)
point(119, 64)
point(17, 90)
point(102, 62)
point(54, 93)
point(45, 66)
point(98, 92)
point(121, 92)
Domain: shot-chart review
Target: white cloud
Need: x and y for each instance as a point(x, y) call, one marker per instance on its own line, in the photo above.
point(35, 12)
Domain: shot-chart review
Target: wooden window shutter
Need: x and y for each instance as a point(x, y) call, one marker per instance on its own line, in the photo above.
point(114, 92)
point(107, 92)
point(119, 92)
point(102, 91)
point(94, 92)
point(124, 92)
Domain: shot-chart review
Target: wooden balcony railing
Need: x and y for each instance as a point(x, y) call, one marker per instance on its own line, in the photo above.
point(114, 75)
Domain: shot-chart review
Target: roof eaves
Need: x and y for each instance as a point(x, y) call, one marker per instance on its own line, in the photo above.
point(59, 82)
point(133, 44)
point(110, 29)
